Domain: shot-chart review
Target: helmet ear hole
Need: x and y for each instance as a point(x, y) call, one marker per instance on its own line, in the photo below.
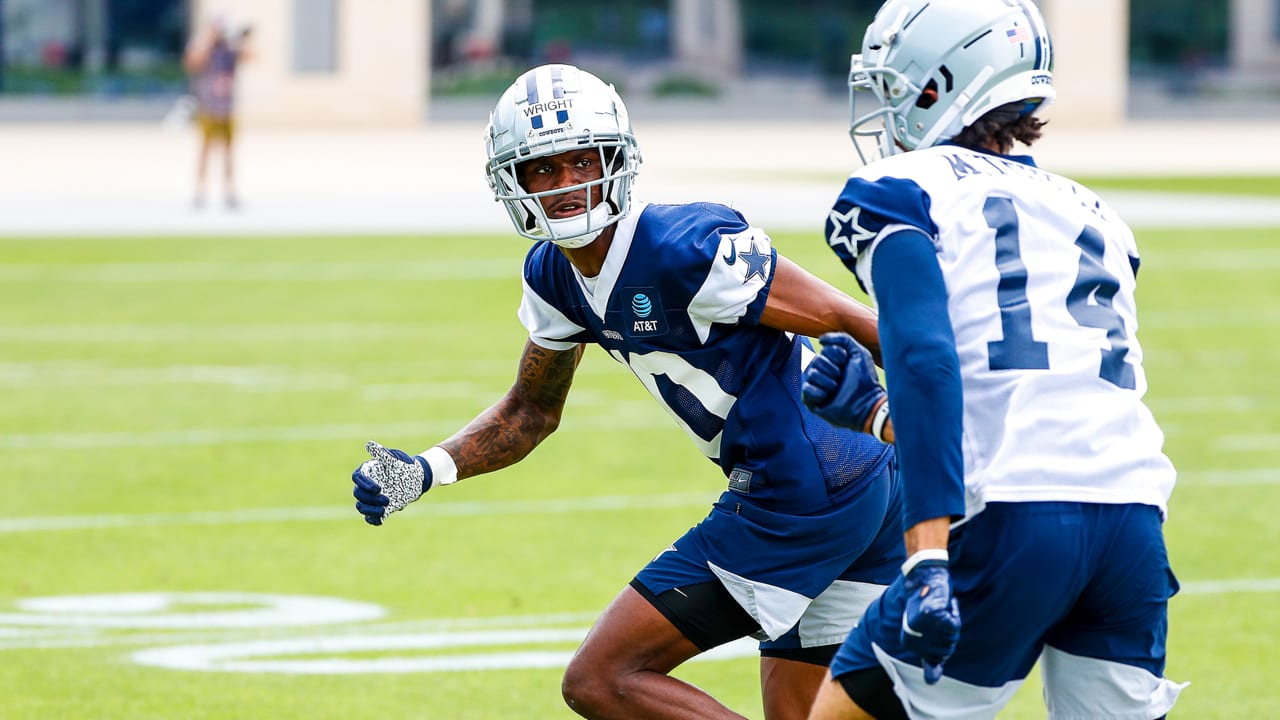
point(928, 96)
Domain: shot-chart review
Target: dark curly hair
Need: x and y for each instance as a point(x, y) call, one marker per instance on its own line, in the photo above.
point(1003, 125)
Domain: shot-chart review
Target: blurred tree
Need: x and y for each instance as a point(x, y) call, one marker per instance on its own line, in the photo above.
point(2, 51)
point(159, 25)
point(1178, 34)
point(813, 36)
point(625, 27)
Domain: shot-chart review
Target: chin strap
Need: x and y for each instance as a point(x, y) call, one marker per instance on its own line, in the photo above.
point(580, 230)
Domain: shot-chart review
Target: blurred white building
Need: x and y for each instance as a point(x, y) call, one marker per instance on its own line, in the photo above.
point(1255, 37)
point(330, 63)
point(341, 63)
point(344, 63)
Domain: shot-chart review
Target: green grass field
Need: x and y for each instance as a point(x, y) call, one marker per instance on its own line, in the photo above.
point(181, 417)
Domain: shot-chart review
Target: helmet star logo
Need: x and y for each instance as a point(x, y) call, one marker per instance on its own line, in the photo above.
point(846, 231)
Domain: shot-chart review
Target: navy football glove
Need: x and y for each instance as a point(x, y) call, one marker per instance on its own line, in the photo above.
point(388, 482)
point(841, 384)
point(931, 620)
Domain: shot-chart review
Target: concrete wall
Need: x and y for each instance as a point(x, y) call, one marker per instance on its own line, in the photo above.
point(1091, 60)
point(706, 37)
point(1255, 37)
point(381, 74)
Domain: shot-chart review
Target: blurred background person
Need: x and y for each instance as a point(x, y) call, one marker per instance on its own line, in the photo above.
point(211, 59)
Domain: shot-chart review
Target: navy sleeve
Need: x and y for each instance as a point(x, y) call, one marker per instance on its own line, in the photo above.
point(865, 207)
point(923, 373)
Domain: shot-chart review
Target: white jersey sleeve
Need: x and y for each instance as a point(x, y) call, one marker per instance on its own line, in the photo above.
point(547, 326)
point(742, 270)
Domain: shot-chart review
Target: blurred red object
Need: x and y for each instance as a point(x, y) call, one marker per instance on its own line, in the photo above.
point(53, 54)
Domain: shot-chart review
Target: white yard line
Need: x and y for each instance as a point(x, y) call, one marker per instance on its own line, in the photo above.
point(1198, 404)
point(217, 436)
point(1235, 260)
point(1225, 478)
point(1258, 442)
point(268, 272)
point(1215, 478)
point(203, 332)
point(296, 433)
point(1235, 585)
point(68, 637)
point(442, 632)
point(314, 514)
point(1211, 318)
point(123, 333)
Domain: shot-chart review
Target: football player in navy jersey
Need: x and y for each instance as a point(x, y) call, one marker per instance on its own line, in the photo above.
point(698, 304)
point(1035, 484)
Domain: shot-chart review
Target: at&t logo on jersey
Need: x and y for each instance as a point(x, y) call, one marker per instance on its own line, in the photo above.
point(647, 318)
point(641, 305)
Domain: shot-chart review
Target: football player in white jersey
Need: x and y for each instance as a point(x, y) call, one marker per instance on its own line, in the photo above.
point(714, 323)
point(1034, 480)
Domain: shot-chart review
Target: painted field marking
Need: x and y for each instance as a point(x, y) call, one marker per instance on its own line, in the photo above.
point(1224, 587)
point(301, 433)
point(313, 514)
point(1259, 442)
point(66, 636)
point(1232, 259)
point(1197, 478)
point(514, 642)
point(1229, 478)
point(273, 271)
point(272, 656)
point(151, 611)
point(208, 332)
point(1198, 404)
point(117, 333)
point(242, 657)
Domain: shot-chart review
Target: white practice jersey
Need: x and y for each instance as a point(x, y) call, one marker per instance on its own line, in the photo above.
point(1040, 277)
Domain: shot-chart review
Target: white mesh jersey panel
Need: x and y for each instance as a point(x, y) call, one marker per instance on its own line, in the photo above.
point(1041, 298)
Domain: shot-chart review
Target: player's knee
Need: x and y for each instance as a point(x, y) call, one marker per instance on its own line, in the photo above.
point(574, 684)
point(586, 689)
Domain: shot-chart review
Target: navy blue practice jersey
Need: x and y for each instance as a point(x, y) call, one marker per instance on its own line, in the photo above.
point(679, 301)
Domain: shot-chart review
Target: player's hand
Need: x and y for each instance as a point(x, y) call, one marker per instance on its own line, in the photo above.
point(931, 620)
point(388, 482)
point(841, 384)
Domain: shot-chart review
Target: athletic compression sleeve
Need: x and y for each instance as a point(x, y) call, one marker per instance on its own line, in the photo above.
point(923, 374)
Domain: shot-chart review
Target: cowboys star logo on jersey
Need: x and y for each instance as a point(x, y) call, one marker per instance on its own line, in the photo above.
point(845, 231)
point(756, 262)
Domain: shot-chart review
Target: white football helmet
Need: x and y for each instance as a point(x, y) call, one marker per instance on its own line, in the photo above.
point(549, 110)
point(934, 67)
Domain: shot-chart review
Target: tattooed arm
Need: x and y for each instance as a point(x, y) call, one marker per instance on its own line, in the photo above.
point(529, 412)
